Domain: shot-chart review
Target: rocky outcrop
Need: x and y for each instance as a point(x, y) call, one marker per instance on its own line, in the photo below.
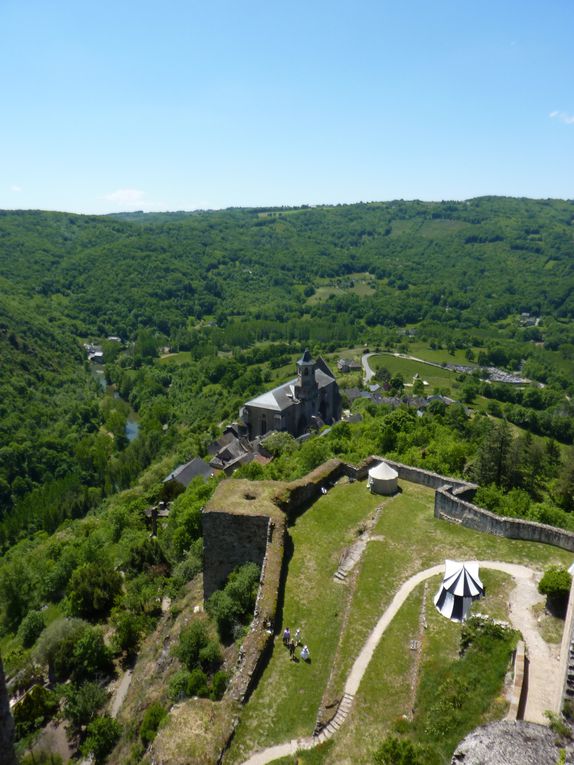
point(511, 743)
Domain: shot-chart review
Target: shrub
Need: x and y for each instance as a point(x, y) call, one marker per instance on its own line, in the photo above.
point(178, 685)
point(399, 751)
point(103, 733)
point(82, 703)
point(225, 612)
point(31, 628)
point(210, 656)
point(41, 758)
point(218, 685)
point(555, 583)
point(152, 719)
point(129, 628)
point(191, 640)
point(197, 683)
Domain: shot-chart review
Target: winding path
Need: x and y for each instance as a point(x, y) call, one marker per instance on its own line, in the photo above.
point(543, 682)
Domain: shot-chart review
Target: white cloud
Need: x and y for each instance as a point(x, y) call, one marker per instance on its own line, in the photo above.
point(567, 119)
point(16, 189)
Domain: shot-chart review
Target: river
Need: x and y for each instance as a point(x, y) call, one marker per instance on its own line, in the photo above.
point(132, 425)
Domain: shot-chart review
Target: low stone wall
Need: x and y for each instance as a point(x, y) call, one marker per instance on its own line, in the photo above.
point(451, 507)
point(516, 692)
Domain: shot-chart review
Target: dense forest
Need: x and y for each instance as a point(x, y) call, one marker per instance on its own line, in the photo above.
point(210, 308)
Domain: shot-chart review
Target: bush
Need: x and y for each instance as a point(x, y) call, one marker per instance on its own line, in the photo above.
point(82, 704)
point(178, 685)
point(103, 734)
point(210, 656)
point(191, 640)
point(41, 758)
point(225, 613)
point(152, 719)
point(197, 683)
point(218, 685)
point(399, 751)
point(129, 628)
point(92, 590)
point(31, 628)
point(555, 584)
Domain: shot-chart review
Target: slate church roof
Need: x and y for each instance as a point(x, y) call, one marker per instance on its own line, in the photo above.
point(283, 396)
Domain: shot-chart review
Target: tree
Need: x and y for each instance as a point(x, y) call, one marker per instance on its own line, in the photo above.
point(492, 459)
point(82, 703)
point(31, 628)
point(91, 656)
point(56, 646)
point(103, 734)
point(92, 590)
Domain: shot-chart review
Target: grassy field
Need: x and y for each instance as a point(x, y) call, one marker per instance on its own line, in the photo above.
point(435, 376)
point(408, 539)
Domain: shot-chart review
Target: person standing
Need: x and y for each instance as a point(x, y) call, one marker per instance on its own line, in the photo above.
point(305, 653)
point(286, 636)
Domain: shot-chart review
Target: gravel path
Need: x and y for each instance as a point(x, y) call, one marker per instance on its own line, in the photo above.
point(543, 682)
point(369, 374)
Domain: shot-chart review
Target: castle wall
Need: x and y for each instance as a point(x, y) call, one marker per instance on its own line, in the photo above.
point(448, 505)
point(230, 540)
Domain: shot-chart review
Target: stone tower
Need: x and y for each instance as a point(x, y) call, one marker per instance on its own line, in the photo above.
point(306, 387)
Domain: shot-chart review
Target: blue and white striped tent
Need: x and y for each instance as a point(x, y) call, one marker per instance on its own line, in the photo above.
point(460, 586)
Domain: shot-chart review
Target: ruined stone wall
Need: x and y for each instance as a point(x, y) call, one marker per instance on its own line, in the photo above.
point(450, 506)
point(229, 540)
point(258, 643)
point(306, 490)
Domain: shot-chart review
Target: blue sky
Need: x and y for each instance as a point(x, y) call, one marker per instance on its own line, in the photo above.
point(125, 105)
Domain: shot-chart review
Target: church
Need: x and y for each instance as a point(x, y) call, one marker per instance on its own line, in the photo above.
point(312, 399)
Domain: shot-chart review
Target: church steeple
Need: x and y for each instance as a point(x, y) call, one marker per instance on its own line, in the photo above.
point(306, 386)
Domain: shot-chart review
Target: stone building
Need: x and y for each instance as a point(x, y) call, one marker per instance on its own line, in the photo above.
point(310, 400)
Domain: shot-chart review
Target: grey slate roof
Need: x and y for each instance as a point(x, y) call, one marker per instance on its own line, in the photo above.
point(184, 474)
point(283, 396)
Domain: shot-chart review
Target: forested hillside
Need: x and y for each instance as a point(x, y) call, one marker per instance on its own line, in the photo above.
point(195, 313)
point(216, 285)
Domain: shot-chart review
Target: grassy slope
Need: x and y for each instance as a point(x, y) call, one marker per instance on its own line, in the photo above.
point(282, 707)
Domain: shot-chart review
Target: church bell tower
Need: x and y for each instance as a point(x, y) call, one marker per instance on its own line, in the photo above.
point(306, 386)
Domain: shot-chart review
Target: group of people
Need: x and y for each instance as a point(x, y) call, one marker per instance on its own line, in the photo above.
point(292, 642)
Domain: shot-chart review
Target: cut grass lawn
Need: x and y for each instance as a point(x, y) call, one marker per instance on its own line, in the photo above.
point(409, 539)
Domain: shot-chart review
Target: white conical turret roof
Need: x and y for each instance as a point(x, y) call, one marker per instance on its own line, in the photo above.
point(383, 472)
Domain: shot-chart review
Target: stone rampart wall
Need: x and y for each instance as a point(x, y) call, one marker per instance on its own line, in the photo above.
point(423, 477)
point(451, 507)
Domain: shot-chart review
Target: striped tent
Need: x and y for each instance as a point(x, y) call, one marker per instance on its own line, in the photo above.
point(460, 586)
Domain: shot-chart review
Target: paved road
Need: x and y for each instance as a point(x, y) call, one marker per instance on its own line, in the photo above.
point(368, 372)
point(543, 680)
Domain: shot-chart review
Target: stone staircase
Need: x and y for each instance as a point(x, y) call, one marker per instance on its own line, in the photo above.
point(569, 689)
point(335, 723)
